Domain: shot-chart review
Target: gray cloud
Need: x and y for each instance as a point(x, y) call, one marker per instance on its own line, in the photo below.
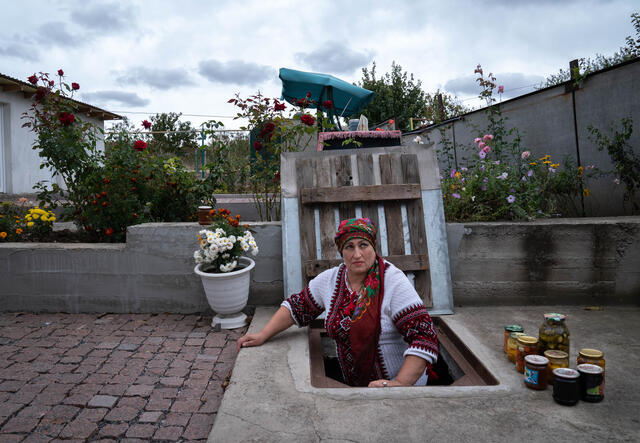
point(515, 84)
point(56, 34)
point(116, 98)
point(237, 72)
point(106, 17)
point(156, 78)
point(20, 50)
point(334, 57)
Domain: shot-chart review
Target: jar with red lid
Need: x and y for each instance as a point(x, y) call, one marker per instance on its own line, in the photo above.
point(535, 372)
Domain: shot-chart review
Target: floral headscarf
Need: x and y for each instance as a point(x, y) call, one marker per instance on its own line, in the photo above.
point(355, 228)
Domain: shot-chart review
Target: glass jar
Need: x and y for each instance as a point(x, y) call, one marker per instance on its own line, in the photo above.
point(512, 346)
point(508, 330)
point(566, 386)
point(535, 372)
point(590, 381)
point(594, 357)
point(554, 333)
point(204, 215)
point(527, 345)
point(557, 359)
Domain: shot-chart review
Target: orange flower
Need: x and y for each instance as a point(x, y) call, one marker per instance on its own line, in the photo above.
point(108, 231)
point(3, 234)
point(18, 231)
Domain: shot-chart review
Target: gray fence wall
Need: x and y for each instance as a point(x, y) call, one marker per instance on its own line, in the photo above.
point(546, 119)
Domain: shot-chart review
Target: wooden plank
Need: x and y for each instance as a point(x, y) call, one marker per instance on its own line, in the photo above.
point(304, 177)
point(366, 178)
point(413, 262)
point(417, 234)
point(327, 216)
point(360, 193)
point(391, 173)
point(343, 178)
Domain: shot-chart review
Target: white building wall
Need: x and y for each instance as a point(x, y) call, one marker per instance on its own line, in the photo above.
point(21, 162)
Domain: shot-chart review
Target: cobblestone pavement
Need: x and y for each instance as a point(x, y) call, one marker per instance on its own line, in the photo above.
point(114, 377)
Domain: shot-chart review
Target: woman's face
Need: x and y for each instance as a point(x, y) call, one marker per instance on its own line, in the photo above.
point(358, 255)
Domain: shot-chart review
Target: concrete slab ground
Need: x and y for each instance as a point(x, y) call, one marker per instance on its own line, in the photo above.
point(270, 397)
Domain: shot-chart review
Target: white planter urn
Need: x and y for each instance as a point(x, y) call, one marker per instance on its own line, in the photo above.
point(228, 293)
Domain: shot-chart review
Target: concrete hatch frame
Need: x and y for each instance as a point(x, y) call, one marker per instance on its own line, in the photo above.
point(392, 177)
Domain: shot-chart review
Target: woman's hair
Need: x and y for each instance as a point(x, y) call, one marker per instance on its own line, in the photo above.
point(355, 228)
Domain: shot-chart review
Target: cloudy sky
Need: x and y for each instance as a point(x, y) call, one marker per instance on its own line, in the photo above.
point(138, 58)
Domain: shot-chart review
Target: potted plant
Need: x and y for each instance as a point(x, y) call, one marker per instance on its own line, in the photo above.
point(224, 271)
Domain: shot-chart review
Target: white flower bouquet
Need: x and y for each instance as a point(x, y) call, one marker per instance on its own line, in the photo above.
point(223, 243)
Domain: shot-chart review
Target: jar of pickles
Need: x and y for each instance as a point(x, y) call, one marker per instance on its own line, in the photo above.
point(512, 345)
point(554, 333)
point(557, 359)
point(527, 345)
point(594, 357)
point(508, 330)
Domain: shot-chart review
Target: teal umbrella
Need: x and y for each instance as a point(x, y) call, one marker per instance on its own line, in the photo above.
point(347, 99)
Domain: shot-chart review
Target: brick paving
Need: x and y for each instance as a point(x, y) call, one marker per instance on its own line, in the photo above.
point(114, 377)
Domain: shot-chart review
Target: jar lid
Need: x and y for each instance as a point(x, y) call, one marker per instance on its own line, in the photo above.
point(515, 335)
point(590, 369)
point(536, 360)
point(204, 207)
point(566, 373)
point(514, 328)
point(591, 353)
point(554, 316)
point(552, 353)
point(527, 340)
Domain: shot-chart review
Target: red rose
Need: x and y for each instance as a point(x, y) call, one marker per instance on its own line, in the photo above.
point(307, 120)
point(33, 79)
point(60, 72)
point(301, 102)
point(75, 86)
point(51, 83)
point(41, 92)
point(279, 107)
point(327, 104)
point(309, 94)
point(146, 124)
point(109, 231)
point(268, 128)
point(66, 118)
point(257, 145)
point(139, 145)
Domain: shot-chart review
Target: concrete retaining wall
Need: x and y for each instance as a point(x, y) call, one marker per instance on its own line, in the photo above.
point(563, 261)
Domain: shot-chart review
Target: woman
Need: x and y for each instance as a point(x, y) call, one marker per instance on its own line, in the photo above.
point(383, 333)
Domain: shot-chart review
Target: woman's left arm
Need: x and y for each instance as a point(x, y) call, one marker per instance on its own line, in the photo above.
point(411, 370)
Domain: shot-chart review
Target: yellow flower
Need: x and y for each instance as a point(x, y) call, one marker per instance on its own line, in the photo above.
point(555, 165)
point(30, 224)
point(18, 231)
point(36, 216)
point(546, 162)
point(52, 218)
point(28, 218)
point(457, 175)
point(533, 164)
point(546, 157)
point(3, 234)
point(44, 218)
point(586, 192)
point(580, 169)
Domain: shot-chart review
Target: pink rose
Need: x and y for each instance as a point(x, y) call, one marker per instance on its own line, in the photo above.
point(486, 149)
point(500, 89)
point(487, 137)
point(477, 140)
point(481, 145)
point(525, 155)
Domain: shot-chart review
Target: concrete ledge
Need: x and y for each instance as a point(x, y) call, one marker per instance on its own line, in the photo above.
point(269, 398)
point(152, 272)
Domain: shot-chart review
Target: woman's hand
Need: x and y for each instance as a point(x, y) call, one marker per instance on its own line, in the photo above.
point(385, 384)
point(249, 340)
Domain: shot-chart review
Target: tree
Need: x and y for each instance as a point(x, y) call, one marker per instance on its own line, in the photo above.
point(627, 52)
point(179, 137)
point(400, 96)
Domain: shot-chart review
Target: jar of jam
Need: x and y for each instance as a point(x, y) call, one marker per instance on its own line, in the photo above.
point(594, 357)
point(204, 215)
point(590, 380)
point(557, 359)
point(527, 345)
point(509, 329)
point(566, 386)
point(554, 333)
point(512, 345)
point(535, 372)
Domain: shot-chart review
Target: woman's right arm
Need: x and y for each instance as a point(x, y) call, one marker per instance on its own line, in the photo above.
point(280, 321)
